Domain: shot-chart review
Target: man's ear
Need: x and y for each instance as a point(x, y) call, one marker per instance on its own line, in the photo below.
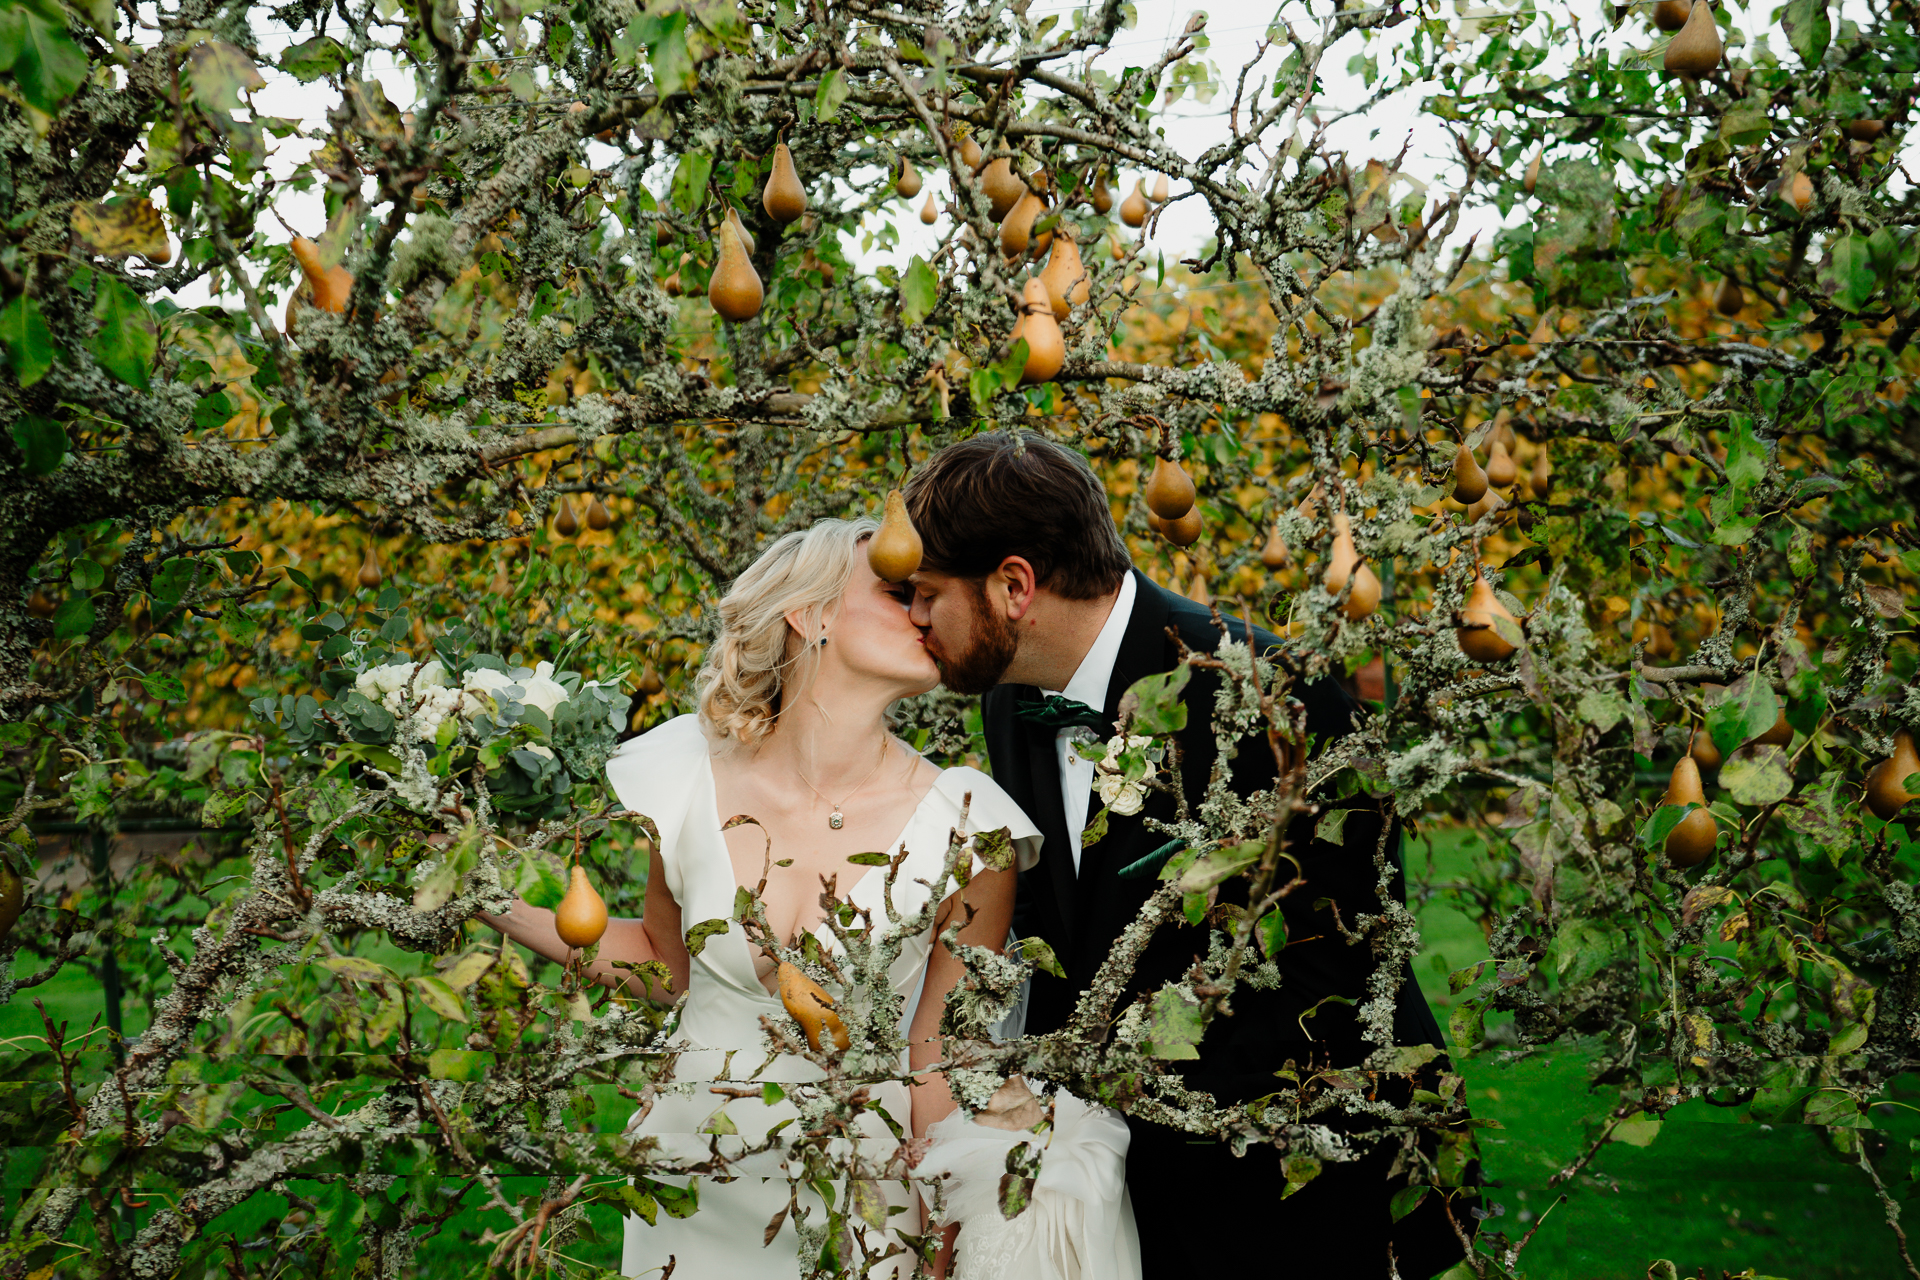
point(1018, 580)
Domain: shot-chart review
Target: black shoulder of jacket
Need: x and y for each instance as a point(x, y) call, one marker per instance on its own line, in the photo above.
point(1331, 710)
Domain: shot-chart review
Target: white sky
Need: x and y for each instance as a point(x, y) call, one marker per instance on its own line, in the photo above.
point(1234, 26)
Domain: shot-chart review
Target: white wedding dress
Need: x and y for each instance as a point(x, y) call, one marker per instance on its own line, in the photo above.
point(666, 774)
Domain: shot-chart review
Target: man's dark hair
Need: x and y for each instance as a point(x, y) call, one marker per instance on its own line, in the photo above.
point(1017, 493)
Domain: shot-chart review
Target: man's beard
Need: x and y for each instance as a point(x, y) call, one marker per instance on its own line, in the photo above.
point(992, 642)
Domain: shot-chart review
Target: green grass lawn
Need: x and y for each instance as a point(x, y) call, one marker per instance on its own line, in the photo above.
point(1708, 1192)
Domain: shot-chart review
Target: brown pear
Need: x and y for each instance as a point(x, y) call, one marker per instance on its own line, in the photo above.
point(1003, 187)
point(1695, 52)
point(928, 212)
point(1532, 179)
point(370, 569)
point(1102, 199)
point(1119, 250)
point(1016, 230)
point(1703, 750)
point(784, 198)
point(650, 682)
point(1046, 348)
point(13, 896)
point(1885, 794)
point(1154, 523)
point(1690, 843)
point(1780, 735)
point(811, 1007)
point(1488, 501)
point(970, 154)
point(1866, 130)
point(565, 524)
point(734, 291)
point(1160, 190)
point(1274, 554)
point(1185, 530)
point(1345, 565)
point(598, 517)
point(894, 550)
point(1469, 481)
point(1542, 477)
point(1670, 15)
point(1729, 301)
point(907, 183)
point(330, 286)
point(1479, 633)
point(1065, 275)
point(1501, 470)
point(671, 285)
point(1170, 491)
point(740, 229)
point(1659, 642)
point(581, 917)
point(1133, 210)
point(1799, 191)
point(1198, 592)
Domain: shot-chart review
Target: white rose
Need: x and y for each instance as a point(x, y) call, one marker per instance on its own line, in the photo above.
point(433, 675)
point(542, 690)
point(1132, 796)
point(1110, 785)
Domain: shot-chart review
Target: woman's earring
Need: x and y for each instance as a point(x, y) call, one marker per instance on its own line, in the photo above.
point(823, 640)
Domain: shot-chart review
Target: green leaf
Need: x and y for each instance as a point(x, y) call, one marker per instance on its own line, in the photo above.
point(1847, 274)
point(220, 73)
point(126, 340)
point(1332, 826)
point(211, 411)
point(1096, 830)
point(698, 934)
point(1155, 702)
point(46, 64)
point(832, 92)
point(690, 180)
point(42, 441)
point(74, 617)
point(1037, 953)
point(165, 687)
point(1216, 865)
point(1174, 1026)
point(357, 968)
point(1637, 1132)
point(438, 995)
point(1272, 932)
point(1406, 1200)
point(1809, 30)
point(311, 59)
point(869, 859)
point(1745, 709)
point(919, 291)
point(673, 66)
point(29, 344)
point(1758, 779)
point(86, 575)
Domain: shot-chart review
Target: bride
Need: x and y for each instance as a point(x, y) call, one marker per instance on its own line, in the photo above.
point(813, 650)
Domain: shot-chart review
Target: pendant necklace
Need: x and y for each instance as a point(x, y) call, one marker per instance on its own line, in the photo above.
point(836, 819)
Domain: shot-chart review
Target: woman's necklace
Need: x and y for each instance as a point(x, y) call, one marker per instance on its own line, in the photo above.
point(836, 819)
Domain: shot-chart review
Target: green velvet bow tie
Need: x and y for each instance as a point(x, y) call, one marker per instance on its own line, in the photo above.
point(1058, 713)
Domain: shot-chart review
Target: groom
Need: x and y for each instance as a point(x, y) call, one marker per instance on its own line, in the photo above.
point(1025, 591)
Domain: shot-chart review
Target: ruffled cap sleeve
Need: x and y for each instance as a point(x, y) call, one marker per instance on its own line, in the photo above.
point(992, 809)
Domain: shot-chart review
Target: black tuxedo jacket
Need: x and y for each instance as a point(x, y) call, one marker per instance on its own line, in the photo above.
point(1344, 1211)
point(1080, 915)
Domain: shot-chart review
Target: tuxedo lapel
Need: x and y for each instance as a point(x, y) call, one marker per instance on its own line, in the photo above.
point(1143, 649)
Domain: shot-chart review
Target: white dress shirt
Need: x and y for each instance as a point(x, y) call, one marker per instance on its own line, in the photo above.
point(1089, 685)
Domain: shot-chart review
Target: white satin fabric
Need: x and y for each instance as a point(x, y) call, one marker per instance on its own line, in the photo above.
point(667, 775)
point(1079, 1223)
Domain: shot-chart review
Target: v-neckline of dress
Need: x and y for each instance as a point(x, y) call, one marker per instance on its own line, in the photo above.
point(845, 895)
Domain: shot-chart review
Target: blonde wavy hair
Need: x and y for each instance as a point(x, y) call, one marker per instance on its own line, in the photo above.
point(758, 660)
